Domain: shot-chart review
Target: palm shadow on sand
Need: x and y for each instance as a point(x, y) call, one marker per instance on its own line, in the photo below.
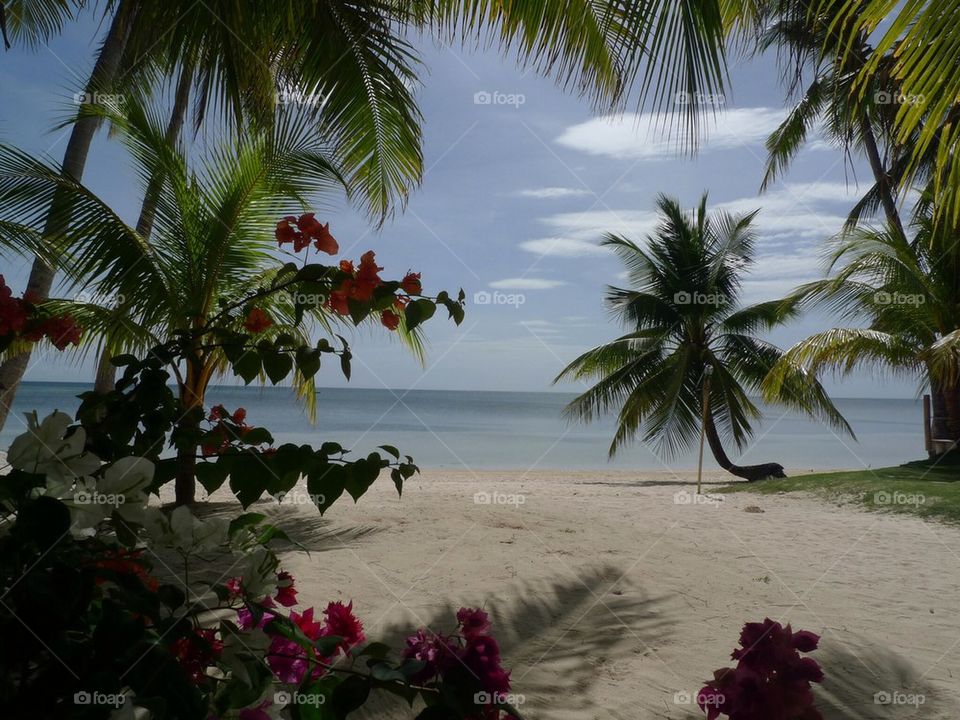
point(308, 530)
point(866, 681)
point(559, 637)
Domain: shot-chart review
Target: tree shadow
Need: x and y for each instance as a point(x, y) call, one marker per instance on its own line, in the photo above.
point(866, 681)
point(547, 629)
point(304, 525)
point(680, 484)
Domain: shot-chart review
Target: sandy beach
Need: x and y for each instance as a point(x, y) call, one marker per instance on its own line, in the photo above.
point(614, 597)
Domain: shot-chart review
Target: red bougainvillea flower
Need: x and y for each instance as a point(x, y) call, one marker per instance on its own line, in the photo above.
point(13, 314)
point(390, 320)
point(367, 279)
point(197, 652)
point(411, 283)
point(473, 622)
point(308, 229)
point(338, 302)
point(239, 416)
point(341, 622)
point(285, 232)
point(257, 321)
point(286, 592)
point(771, 680)
point(324, 241)
point(125, 562)
point(347, 266)
point(61, 331)
point(287, 659)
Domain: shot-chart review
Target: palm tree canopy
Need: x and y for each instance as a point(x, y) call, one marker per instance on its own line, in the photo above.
point(358, 61)
point(213, 239)
point(682, 314)
point(906, 292)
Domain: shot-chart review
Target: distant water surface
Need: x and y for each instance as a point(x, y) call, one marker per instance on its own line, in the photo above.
point(511, 430)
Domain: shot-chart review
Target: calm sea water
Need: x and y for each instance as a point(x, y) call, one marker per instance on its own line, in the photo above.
point(507, 430)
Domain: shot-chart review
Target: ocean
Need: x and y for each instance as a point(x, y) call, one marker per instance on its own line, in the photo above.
point(522, 431)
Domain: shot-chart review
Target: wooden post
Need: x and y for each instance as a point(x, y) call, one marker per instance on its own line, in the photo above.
point(927, 428)
point(707, 372)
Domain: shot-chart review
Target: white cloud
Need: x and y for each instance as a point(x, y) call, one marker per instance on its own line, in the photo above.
point(651, 136)
point(520, 283)
point(562, 247)
point(553, 193)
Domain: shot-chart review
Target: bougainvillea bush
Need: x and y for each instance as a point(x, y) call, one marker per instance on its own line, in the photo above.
point(772, 680)
point(110, 605)
point(116, 606)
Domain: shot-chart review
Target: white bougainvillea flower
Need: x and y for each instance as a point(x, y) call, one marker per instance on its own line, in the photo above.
point(185, 532)
point(240, 647)
point(43, 449)
point(258, 575)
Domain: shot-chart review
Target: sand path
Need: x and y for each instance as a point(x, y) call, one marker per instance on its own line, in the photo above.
point(613, 601)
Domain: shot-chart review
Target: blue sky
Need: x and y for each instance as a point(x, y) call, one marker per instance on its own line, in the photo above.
point(521, 182)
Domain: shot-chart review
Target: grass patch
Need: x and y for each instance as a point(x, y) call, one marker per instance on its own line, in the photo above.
point(919, 488)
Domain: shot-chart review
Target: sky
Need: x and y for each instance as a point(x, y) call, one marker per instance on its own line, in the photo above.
point(522, 180)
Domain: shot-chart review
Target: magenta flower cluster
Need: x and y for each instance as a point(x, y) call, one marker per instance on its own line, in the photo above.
point(771, 681)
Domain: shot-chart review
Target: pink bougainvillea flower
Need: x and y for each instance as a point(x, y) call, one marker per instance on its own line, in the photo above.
point(435, 651)
point(482, 657)
point(473, 622)
point(257, 712)
point(341, 622)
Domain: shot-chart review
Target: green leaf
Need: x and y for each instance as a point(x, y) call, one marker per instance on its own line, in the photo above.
point(350, 695)
point(391, 450)
point(123, 360)
point(277, 366)
point(248, 365)
point(325, 483)
point(246, 480)
point(360, 476)
point(256, 436)
point(345, 363)
point(213, 474)
point(308, 361)
point(419, 311)
point(397, 478)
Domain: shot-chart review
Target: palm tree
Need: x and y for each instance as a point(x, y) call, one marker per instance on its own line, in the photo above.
point(682, 316)
point(357, 58)
point(916, 44)
point(807, 39)
point(908, 292)
point(212, 238)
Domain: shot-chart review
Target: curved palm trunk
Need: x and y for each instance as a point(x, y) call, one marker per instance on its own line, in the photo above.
point(106, 371)
point(748, 472)
point(102, 78)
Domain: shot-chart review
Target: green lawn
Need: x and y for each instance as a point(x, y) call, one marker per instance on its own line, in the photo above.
point(918, 488)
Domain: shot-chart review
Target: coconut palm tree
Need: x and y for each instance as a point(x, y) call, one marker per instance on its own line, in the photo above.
point(356, 57)
point(682, 315)
point(915, 43)
point(211, 242)
point(806, 40)
point(903, 298)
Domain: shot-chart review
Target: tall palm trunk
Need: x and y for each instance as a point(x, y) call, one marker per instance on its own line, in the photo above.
point(880, 175)
point(106, 371)
point(102, 79)
point(748, 472)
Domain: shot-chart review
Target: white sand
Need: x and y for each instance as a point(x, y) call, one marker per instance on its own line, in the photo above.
point(609, 598)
